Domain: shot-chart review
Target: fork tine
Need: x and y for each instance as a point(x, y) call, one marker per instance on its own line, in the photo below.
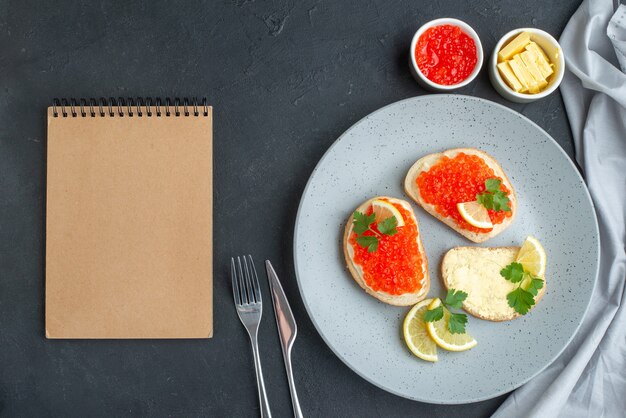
point(233, 277)
point(245, 298)
point(255, 281)
point(248, 281)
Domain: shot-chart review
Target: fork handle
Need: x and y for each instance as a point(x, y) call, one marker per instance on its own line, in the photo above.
point(265, 406)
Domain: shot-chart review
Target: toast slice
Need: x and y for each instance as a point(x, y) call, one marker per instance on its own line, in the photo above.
point(425, 163)
point(476, 271)
point(356, 271)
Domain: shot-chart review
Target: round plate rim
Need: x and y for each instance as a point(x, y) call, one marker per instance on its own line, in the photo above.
point(338, 354)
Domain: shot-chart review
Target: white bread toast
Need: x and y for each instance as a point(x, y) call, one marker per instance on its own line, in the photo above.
point(476, 271)
point(405, 299)
point(425, 163)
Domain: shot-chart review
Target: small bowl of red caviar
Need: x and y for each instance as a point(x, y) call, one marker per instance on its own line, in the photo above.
point(445, 54)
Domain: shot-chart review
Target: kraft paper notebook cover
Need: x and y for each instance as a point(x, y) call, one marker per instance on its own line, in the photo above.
point(129, 220)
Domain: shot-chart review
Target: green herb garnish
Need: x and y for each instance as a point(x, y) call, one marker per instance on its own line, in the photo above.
point(363, 223)
point(388, 226)
point(523, 297)
point(456, 321)
point(494, 198)
point(368, 241)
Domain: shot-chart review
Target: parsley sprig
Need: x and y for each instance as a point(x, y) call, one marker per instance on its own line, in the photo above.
point(457, 321)
point(494, 198)
point(523, 297)
point(363, 223)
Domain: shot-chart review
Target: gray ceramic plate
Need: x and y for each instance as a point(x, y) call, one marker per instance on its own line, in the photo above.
point(371, 159)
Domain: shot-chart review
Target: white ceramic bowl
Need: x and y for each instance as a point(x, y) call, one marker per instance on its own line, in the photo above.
point(552, 49)
point(425, 82)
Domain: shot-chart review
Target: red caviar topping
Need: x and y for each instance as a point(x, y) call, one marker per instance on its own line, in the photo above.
point(396, 266)
point(445, 54)
point(457, 180)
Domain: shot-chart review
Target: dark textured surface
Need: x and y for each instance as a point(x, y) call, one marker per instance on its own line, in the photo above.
point(285, 79)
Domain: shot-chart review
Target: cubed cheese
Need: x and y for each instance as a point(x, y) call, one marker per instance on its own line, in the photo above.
point(540, 58)
point(508, 76)
point(523, 74)
point(532, 68)
point(515, 46)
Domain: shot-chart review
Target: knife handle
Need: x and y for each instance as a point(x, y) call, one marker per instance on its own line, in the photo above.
point(297, 412)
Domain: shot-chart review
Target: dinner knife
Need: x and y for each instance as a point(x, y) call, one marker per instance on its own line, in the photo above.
point(287, 330)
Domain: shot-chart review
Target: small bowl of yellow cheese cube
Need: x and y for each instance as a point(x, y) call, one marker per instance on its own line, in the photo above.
point(527, 64)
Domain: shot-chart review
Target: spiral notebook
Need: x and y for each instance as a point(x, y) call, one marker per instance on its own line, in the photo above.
point(129, 219)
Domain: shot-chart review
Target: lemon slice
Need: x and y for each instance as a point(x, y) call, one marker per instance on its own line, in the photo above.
point(384, 210)
point(438, 331)
point(415, 335)
point(532, 257)
point(475, 214)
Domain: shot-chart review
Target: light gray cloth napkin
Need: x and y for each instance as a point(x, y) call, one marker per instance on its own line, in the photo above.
point(589, 378)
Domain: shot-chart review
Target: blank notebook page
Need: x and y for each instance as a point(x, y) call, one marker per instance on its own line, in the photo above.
point(129, 226)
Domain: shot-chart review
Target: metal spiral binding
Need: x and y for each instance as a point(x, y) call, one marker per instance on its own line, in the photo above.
point(129, 107)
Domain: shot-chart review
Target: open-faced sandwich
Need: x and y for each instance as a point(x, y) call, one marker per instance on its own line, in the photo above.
point(466, 189)
point(384, 251)
point(501, 283)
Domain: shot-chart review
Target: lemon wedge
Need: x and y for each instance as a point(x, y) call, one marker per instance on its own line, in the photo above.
point(438, 331)
point(415, 334)
point(384, 210)
point(532, 257)
point(475, 214)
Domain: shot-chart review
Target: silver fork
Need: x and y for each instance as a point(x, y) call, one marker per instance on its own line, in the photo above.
point(247, 294)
